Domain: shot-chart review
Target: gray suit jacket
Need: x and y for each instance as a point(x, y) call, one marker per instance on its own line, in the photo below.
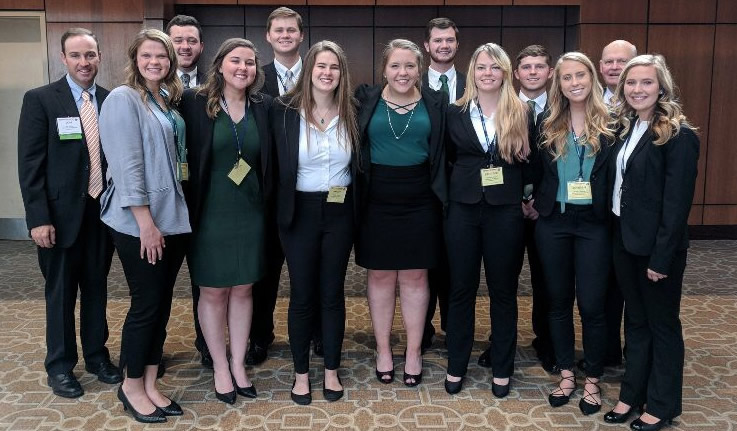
point(138, 142)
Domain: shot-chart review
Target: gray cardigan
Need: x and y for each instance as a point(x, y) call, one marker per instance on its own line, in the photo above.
point(139, 146)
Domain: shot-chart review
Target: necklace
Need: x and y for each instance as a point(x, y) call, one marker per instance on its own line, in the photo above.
point(389, 117)
point(325, 114)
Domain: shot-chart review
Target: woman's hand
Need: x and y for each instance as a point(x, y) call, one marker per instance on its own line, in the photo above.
point(655, 276)
point(529, 211)
point(152, 242)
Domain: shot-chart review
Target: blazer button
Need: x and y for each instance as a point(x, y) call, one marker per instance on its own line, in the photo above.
point(86, 167)
point(593, 177)
point(83, 195)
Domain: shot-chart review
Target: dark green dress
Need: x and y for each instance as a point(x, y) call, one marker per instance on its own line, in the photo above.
point(228, 246)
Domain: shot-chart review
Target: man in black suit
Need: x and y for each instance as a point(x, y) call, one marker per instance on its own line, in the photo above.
point(441, 42)
point(61, 170)
point(284, 33)
point(186, 35)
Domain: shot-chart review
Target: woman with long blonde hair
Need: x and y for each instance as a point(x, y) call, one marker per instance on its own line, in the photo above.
point(572, 230)
point(488, 144)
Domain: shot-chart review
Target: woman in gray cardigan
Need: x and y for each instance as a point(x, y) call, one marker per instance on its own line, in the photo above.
point(143, 140)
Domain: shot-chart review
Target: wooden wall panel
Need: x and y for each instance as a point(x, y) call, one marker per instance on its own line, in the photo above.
point(689, 51)
point(727, 12)
point(403, 16)
point(622, 11)
point(696, 216)
point(216, 35)
point(342, 17)
point(534, 16)
point(721, 175)
point(682, 11)
point(221, 15)
point(478, 2)
point(472, 38)
point(114, 41)
point(720, 214)
point(276, 3)
point(488, 16)
point(547, 2)
point(213, 2)
point(94, 11)
point(593, 38)
point(22, 4)
point(356, 42)
point(514, 39)
point(409, 2)
point(341, 2)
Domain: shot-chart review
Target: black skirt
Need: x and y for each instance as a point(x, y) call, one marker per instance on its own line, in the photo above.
point(401, 227)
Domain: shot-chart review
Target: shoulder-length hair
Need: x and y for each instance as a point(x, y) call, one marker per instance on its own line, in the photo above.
point(301, 98)
point(215, 82)
point(668, 116)
point(402, 44)
point(135, 80)
point(596, 122)
point(510, 120)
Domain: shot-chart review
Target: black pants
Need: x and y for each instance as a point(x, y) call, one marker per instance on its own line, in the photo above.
point(317, 246)
point(84, 265)
point(540, 309)
point(575, 251)
point(613, 311)
point(266, 290)
point(655, 350)
point(151, 288)
point(496, 234)
point(439, 283)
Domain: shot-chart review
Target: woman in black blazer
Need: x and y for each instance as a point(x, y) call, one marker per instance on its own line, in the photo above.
point(572, 230)
point(315, 140)
point(402, 186)
point(487, 144)
point(652, 179)
point(227, 126)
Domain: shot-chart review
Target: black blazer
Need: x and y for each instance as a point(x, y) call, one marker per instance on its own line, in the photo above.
point(657, 192)
point(284, 122)
point(546, 193)
point(368, 97)
point(271, 81)
point(53, 174)
point(466, 158)
point(199, 148)
point(460, 83)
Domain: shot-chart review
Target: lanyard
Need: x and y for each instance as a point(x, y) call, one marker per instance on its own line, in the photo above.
point(580, 152)
point(238, 145)
point(181, 150)
point(490, 145)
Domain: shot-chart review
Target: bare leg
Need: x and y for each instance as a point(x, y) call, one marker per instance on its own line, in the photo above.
point(331, 380)
point(414, 296)
point(240, 313)
point(381, 292)
point(212, 310)
point(149, 383)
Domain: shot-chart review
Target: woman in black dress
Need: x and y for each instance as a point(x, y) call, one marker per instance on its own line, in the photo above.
point(402, 189)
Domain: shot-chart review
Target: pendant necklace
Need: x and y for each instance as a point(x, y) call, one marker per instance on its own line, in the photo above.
point(397, 107)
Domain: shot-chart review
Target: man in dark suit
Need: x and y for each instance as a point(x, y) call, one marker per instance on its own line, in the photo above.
point(186, 35)
point(61, 170)
point(284, 33)
point(441, 42)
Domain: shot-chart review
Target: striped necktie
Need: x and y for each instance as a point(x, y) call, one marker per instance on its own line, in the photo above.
point(88, 115)
point(185, 80)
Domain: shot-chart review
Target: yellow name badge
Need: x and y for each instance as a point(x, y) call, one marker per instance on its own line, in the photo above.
point(337, 194)
point(239, 172)
point(579, 190)
point(492, 177)
point(183, 171)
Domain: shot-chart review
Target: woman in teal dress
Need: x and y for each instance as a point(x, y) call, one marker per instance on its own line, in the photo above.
point(226, 196)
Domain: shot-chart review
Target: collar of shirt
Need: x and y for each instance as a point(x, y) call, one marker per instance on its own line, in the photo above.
point(540, 101)
point(475, 113)
point(325, 161)
point(192, 76)
point(77, 92)
point(636, 133)
point(433, 78)
point(282, 69)
point(608, 96)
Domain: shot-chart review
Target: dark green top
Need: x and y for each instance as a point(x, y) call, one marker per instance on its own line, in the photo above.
point(413, 146)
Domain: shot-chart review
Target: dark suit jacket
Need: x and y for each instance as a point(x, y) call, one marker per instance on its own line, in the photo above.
point(284, 122)
point(53, 174)
point(546, 193)
point(368, 97)
point(466, 158)
point(199, 148)
point(657, 192)
point(460, 83)
point(271, 82)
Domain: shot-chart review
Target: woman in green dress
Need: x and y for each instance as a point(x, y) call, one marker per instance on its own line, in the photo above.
point(226, 194)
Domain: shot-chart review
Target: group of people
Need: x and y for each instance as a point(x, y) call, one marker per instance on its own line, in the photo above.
point(424, 176)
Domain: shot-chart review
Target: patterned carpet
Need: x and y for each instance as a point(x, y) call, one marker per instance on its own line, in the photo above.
point(709, 314)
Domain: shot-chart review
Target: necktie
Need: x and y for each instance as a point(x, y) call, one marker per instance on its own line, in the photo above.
point(92, 135)
point(185, 80)
point(444, 86)
point(289, 82)
point(531, 104)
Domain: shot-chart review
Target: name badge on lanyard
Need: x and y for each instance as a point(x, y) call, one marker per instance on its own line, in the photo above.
point(239, 171)
point(492, 176)
point(69, 128)
point(337, 194)
point(579, 189)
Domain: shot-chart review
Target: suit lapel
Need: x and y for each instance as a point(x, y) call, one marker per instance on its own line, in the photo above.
point(291, 130)
point(644, 140)
point(66, 99)
point(468, 126)
point(432, 100)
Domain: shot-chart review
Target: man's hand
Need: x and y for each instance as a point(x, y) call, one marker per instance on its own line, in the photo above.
point(44, 235)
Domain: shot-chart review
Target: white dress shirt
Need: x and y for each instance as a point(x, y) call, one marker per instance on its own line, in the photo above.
point(192, 77)
point(540, 101)
point(622, 156)
point(281, 73)
point(433, 78)
point(479, 128)
point(608, 97)
point(326, 162)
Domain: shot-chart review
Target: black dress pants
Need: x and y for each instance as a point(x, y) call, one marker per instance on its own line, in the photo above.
point(540, 320)
point(653, 333)
point(496, 234)
point(84, 265)
point(439, 283)
point(265, 291)
point(575, 251)
point(151, 289)
point(317, 246)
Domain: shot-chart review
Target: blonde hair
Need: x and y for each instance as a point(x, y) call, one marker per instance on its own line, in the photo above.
point(215, 82)
point(668, 116)
point(596, 122)
point(402, 44)
point(300, 97)
point(511, 118)
point(133, 78)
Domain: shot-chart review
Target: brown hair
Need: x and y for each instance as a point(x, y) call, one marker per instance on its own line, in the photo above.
point(534, 51)
point(441, 23)
point(402, 44)
point(283, 12)
point(184, 21)
point(78, 31)
point(133, 77)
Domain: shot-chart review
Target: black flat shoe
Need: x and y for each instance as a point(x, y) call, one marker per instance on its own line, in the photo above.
point(330, 394)
point(303, 399)
point(588, 403)
point(65, 385)
point(500, 391)
point(227, 398)
point(613, 417)
point(105, 371)
point(558, 397)
point(639, 425)
point(173, 409)
point(156, 417)
point(485, 358)
point(453, 387)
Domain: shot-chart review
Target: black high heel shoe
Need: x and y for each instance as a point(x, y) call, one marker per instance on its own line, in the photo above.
point(558, 397)
point(156, 417)
point(173, 409)
point(381, 376)
point(227, 398)
point(587, 407)
point(332, 395)
point(416, 378)
point(453, 387)
point(639, 425)
point(303, 399)
point(245, 391)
